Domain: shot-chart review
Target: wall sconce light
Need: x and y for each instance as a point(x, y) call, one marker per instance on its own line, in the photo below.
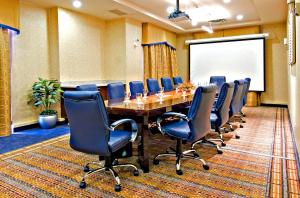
point(137, 43)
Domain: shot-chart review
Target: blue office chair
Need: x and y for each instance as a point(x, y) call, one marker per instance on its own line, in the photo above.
point(189, 128)
point(244, 93)
point(166, 83)
point(153, 86)
point(248, 81)
point(92, 134)
point(136, 87)
point(220, 112)
point(235, 105)
point(87, 87)
point(218, 80)
point(240, 115)
point(177, 80)
point(115, 90)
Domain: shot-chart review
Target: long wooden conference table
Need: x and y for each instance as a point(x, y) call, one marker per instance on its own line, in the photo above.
point(144, 112)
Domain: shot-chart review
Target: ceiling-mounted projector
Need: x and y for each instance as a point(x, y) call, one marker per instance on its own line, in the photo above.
point(178, 15)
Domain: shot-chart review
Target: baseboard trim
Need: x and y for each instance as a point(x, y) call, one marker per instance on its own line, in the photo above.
point(274, 105)
point(35, 125)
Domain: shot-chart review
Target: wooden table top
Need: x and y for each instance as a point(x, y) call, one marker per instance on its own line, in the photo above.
point(146, 106)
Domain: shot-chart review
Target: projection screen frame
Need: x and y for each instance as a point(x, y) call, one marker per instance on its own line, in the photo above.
point(207, 41)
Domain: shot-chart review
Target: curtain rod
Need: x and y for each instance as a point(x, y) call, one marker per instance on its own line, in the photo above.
point(9, 28)
point(160, 43)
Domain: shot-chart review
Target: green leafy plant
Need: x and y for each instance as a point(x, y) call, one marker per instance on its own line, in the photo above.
point(45, 93)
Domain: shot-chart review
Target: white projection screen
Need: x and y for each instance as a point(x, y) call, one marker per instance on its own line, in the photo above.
point(237, 59)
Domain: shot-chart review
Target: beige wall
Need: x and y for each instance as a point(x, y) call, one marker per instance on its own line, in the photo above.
point(9, 13)
point(123, 61)
point(134, 54)
point(30, 61)
point(81, 46)
point(276, 66)
point(154, 34)
point(53, 43)
point(183, 55)
point(115, 48)
point(69, 46)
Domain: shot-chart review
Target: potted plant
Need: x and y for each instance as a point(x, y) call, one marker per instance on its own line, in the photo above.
point(46, 93)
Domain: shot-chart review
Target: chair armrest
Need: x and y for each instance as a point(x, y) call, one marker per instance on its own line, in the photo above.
point(174, 114)
point(134, 127)
point(169, 114)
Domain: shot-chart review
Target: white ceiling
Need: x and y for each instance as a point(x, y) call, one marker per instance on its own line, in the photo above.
point(255, 11)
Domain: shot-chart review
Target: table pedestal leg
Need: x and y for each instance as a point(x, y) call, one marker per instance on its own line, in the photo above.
point(143, 146)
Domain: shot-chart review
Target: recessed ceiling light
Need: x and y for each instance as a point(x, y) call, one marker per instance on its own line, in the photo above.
point(226, 1)
point(77, 4)
point(239, 17)
point(170, 9)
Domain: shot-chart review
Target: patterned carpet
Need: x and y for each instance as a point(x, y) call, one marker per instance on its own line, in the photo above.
point(260, 164)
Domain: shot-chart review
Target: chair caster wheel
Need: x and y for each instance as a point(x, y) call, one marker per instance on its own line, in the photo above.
point(237, 137)
point(136, 173)
point(118, 187)
point(86, 169)
point(155, 161)
point(243, 121)
point(241, 126)
point(219, 151)
point(179, 172)
point(116, 162)
point(205, 166)
point(82, 184)
point(223, 144)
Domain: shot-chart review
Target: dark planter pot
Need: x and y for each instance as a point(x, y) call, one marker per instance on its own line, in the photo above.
point(47, 121)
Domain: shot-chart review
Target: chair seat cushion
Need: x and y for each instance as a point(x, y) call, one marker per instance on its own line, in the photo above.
point(179, 129)
point(213, 119)
point(118, 139)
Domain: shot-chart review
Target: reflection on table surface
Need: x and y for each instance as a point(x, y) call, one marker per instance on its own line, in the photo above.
point(150, 102)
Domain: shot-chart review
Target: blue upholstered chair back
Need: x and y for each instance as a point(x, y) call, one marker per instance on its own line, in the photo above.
point(223, 103)
point(115, 90)
point(166, 83)
point(245, 86)
point(248, 81)
point(199, 112)
point(177, 80)
point(87, 87)
point(218, 80)
point(88, 122)
point(136, 87)
point(236, 98)
point(153, 86)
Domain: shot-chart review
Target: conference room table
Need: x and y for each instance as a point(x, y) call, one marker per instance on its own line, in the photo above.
point(144, 112)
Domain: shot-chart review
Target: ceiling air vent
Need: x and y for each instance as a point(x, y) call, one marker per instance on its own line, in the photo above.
point(118, 12)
